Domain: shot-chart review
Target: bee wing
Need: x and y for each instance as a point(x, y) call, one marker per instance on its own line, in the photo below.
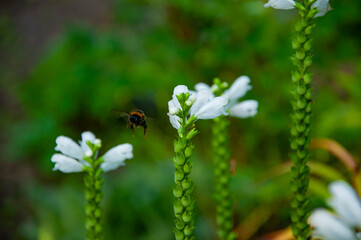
point(120, 114)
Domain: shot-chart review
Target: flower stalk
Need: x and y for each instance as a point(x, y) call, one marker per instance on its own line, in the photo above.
point(183, 185)
point(301, 118)
point(93, 182)
point(222, 174)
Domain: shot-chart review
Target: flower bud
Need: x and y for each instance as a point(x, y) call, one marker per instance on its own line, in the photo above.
point(300, 55)
point(187, 168)
point(214, 88)
point(308, 61)
point(188, 230)
point(189, 103)
point(179, 224)
point(188, 151)
point(177, 191)
point(174, 111)
point(192, 98)
point(307, 78)
point(178, 207)
point(186, 184)
point(180, 159)
point(178, 175)
point(192, 133)
point(178, 235)
point(88, 153)
point(186, 201)
point(187, 216)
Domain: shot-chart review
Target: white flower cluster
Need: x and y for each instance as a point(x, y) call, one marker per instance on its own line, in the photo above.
point(347, 218)
point(322, 5)
point(72, 157)
point(204, 105)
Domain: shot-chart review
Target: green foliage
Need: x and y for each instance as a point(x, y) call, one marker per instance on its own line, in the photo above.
point(147, 48)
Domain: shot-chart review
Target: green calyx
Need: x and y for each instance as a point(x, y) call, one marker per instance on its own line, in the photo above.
point(301, 118)
point(183, 204)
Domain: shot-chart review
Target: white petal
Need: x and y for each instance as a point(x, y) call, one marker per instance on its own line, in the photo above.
point(329, 227)
point(213, 108)
point(119, 153)
point(323, 6)
point(203, 97)
point(68, 147)
point(86, 136)
point(238, 89)
point(244, 109)
point(280, 4)
point(201, 86)
point(174, 120)
point(108, 166)
point(346, 203)
point(66, 164)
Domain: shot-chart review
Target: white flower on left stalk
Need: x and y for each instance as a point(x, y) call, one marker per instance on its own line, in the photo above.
point(322, 5)
point(347, 218)
point(71, 159)
point(237, 90)
point(203, 105)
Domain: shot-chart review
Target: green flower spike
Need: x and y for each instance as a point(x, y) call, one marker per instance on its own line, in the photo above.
point(184, 110)
point(221, 151)
point(302, 106)
point(82, 158)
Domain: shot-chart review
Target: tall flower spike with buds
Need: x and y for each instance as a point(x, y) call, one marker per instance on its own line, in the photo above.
point(302, 107)
point(185, 109)
point(323, 6)
point(83, 157)
point(347, 218)
point(221, 151)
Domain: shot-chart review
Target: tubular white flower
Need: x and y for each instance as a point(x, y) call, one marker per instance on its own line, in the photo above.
point(244, 109)
point(323, 6)
point(346, 203)
point(212, 109)
point(329, 227)
point(238, 89)
point(66, 164)
point(204, 105)
point(68, 147)
point(116, 156)
point(280, 4)
point(86, 136)
point(174, 120)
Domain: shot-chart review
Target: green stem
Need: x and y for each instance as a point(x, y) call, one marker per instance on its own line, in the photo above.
point(93, 194)
point(222, 176)
point(301, 119)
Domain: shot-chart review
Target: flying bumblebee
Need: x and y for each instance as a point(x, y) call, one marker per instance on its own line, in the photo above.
point(136, 118)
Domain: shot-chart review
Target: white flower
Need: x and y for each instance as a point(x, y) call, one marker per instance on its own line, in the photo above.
point(116, 156)
point(347, 217)
point(346, 203)
point(71, 159)
point(237, 90)
point(280, 4)
point(322, 5)
point(204, 105)
point(329, 227)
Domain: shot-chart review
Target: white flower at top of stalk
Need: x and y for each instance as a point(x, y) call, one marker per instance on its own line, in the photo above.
point(341, 224)
point(237, 90)
point(203, 105)
point(72, 154)
point(322, 5)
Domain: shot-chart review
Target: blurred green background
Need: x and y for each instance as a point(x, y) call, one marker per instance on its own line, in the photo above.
point(66, 64)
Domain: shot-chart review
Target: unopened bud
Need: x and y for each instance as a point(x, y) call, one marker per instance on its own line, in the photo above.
point(88, 153)
point(173, 111)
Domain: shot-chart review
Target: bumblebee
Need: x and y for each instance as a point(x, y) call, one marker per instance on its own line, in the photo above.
point(136, 118)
